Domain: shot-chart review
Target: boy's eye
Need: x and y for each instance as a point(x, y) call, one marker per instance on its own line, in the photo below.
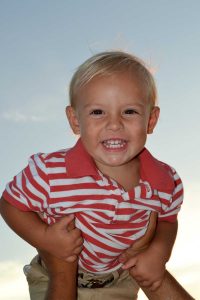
point(96, 112)
point(130, 111)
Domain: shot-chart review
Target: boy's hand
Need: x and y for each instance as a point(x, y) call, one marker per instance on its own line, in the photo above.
point(62, 239)
point(146, 267)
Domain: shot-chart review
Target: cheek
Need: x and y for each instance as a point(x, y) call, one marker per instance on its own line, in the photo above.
point(91, 127)
point(139, 128)
point(139, 133)
point(83, 125)
point(144, 126)
point(87, 131)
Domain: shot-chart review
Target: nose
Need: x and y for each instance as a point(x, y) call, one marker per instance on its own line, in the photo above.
point(114, 122)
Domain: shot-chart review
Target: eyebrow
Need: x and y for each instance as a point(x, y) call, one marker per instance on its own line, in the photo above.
point(128, 104)
point(92, 104)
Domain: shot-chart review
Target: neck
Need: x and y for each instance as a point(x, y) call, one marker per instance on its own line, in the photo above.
point(127, 175)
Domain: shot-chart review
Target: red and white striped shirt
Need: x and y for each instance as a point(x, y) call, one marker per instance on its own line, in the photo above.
point(110, 218)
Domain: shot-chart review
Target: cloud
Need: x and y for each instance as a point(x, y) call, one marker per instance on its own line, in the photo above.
point(19, 117)
point(13, 284)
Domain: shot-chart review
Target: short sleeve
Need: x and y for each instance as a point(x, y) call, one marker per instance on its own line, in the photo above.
point(169, 212)
point(29, 190)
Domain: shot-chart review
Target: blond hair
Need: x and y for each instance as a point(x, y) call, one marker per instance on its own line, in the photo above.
point(109, 63)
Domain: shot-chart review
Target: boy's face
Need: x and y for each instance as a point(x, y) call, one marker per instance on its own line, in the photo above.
point(113, 117)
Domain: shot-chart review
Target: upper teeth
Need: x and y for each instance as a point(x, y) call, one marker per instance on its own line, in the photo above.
point(114, 143)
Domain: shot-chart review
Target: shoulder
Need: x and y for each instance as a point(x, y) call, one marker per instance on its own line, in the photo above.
point(170, 170)
point(166, 167)
point(161, 175)
point(45, 161)
point(46, 158)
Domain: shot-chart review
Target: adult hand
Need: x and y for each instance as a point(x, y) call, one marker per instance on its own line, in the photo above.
point(63, 240)
point(62, 277)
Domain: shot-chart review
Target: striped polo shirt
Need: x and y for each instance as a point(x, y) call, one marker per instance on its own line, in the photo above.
point(110, 218)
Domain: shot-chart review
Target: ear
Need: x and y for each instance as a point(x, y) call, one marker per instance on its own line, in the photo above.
point(153, 119)
point(72, 119)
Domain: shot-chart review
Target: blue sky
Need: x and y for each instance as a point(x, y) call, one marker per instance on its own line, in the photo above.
point(42, 43)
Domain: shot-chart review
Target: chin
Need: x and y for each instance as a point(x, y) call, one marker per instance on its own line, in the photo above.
point(115, 163)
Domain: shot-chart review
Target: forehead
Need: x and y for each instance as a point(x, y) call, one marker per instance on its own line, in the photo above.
point(123, 85)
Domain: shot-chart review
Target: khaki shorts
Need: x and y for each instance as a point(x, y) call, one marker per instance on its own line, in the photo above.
point(115, 286)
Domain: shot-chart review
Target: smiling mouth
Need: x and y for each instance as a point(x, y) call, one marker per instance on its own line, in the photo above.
point(114, 143)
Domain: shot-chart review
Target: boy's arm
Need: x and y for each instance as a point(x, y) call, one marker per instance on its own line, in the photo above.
point(55, 239)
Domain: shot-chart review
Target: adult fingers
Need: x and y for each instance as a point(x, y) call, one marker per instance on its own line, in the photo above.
point(155, 285)
point(66, 222)
point(130, 263)
point(71, 258)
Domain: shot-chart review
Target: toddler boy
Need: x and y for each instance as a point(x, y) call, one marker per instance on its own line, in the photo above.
point(109, 182)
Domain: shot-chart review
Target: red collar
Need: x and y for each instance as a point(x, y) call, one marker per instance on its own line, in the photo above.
point(79, 164)
point(157, 173)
